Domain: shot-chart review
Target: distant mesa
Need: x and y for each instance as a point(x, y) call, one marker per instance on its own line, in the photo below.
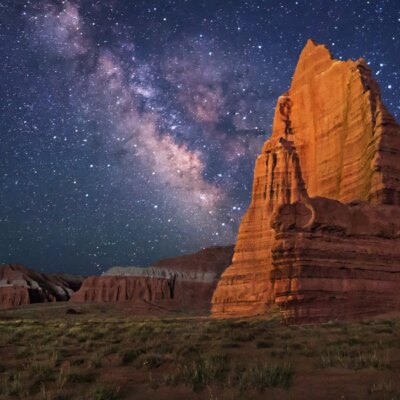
point(184, 283)
point(321, 237)
point(20, 286)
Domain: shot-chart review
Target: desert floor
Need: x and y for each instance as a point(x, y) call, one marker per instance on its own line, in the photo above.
point(65, 351)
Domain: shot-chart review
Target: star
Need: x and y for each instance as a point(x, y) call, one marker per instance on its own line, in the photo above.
point(134, 130)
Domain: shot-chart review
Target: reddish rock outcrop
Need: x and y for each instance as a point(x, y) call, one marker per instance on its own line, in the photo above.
point(212, 259)
point(333, 142)
point(20, 285)
point(332, 260)
point(184, 283)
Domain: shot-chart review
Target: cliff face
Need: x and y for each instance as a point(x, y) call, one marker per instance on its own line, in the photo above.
point(245, 287)
point(20, 285)
point(211, 259)
point(332, 260)
point(183, 283)
point(331, 138)
point(347, 141)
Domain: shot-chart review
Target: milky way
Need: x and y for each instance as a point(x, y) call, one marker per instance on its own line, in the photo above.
point(129, 129)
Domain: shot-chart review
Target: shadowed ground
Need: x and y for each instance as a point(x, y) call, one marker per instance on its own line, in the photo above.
point(64, 351)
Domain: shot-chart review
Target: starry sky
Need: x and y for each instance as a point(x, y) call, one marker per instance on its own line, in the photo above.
point(129, 129)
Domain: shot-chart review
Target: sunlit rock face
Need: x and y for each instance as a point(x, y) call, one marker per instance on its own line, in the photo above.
point(333, 143)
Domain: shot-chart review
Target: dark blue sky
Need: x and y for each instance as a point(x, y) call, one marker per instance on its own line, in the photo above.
point(129, 129)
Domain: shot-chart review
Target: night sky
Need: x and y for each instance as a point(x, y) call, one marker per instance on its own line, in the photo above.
point(129, 129)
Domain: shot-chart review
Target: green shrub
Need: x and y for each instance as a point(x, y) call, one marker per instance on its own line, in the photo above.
point(342, 358)
point(199, 373)
point(129, 356)
point(41, 372)
point(11, 385)
point(106, 393)
point(265, 376)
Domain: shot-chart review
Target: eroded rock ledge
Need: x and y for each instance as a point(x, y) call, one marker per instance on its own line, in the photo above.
point(184, 283)
point(20, 285)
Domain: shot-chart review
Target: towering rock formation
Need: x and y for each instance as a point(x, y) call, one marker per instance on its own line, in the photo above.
point(184, 283)
point(333, 142)
point(20, 285)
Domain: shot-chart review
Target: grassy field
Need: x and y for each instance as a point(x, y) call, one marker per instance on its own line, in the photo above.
point(105, 353)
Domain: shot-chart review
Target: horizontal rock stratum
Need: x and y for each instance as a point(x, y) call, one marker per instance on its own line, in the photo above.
point(184, 283)
point(321, 237)
point(20, 285)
